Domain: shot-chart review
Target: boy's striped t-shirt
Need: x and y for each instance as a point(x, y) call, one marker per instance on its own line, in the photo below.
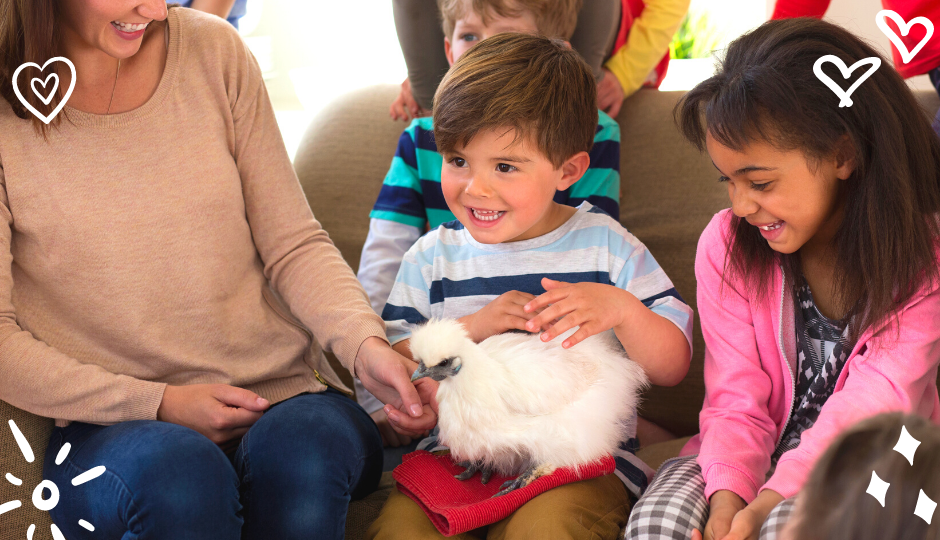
point(411, 192)
point(449, 274)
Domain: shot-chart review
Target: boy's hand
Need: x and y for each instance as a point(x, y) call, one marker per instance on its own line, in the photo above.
point(405, 107)
point(427, 390)
point(609, 94)
point(502, 314)
point(390, 437)
point(594, 307)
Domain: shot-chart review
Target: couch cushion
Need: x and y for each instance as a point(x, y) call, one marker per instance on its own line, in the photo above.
point(36, 430)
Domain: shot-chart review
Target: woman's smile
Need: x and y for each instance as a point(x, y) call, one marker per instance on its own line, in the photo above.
point(129, 31)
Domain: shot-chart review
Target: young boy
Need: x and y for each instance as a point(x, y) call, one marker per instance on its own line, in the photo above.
point(411, 201)
point(514, 120)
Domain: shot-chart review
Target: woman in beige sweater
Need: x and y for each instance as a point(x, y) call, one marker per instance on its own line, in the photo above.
point(165, 290)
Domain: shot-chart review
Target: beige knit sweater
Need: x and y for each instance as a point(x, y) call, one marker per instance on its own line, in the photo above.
point(137, 249)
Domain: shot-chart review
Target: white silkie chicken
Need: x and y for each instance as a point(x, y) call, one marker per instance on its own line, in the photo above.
point(516, 405)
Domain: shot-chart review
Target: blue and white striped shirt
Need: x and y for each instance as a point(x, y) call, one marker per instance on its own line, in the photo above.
point(449, 274)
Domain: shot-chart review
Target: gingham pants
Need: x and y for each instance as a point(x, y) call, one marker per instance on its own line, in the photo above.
point(675, 503)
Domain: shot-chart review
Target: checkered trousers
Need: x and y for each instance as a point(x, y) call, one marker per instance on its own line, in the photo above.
point(675, 503)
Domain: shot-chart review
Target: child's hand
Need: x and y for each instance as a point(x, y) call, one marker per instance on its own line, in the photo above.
point(609, 94)
point(402, 424)
point(405, 107)
point(747, 523)
point(390, 437)
point(502, 314)
point(594, 307)
point(724, 505)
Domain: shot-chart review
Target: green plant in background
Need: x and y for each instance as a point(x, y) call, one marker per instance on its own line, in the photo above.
point(697, 37)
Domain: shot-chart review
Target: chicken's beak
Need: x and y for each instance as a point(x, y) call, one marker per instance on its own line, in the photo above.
point(420, 373)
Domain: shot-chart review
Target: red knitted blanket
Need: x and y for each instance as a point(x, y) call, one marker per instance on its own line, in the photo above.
point(456, 506)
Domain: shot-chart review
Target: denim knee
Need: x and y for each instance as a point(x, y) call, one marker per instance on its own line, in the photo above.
point(161, 481)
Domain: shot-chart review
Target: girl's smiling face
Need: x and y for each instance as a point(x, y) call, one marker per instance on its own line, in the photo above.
point(795, 204)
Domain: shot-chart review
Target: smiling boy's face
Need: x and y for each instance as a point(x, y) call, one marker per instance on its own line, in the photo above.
point(471, 29)
point(502, 191)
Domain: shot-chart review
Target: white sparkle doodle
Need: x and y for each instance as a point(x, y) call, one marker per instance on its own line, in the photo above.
point(907, 445)
point(878, 488)
point(40, 502)
point(925, 507)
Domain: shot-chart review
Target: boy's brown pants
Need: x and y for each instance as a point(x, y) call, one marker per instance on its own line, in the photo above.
point(594, 509)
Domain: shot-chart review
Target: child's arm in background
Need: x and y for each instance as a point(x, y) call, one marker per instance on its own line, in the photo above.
point(219, 8)
point(600, 184)
point(385, 246)
point(790, 9)
point(646, 44)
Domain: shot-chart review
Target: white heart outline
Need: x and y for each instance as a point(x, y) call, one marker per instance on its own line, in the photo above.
point(844, 95)
point(47, 99)
point(68, 93)
point(905, 28)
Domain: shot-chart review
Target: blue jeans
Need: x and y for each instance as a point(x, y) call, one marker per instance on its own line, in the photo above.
point(292, 476)
point(934, 75)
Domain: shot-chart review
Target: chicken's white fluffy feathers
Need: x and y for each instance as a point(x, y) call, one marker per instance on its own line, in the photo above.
point(517, 403)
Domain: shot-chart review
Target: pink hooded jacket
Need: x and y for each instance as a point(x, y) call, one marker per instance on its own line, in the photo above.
point(750, 361)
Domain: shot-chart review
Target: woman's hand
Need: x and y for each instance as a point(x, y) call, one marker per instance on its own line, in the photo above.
point(594, 307)
point(220, 412)
point(387, 375)
point(724, 505)
point(609, 94)
point(504, 313)
point(405, 107)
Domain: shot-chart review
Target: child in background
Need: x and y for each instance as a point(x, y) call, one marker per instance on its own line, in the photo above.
point(836, 503)
point(418, 23)
point(514, 119)
point(626, 42)
point(411, 200)
point(926, 61)
point(818, 290)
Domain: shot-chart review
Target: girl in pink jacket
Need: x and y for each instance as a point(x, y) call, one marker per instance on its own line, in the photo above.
point(818, 290)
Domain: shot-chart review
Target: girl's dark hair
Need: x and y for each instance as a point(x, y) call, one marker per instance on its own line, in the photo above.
point(765, 90)
point(835, 505)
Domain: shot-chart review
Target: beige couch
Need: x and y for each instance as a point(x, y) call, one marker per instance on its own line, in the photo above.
point(669, 193)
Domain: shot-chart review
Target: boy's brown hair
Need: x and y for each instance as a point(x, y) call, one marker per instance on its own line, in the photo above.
point(835, 504)
point(537, 86)
point(554, 18)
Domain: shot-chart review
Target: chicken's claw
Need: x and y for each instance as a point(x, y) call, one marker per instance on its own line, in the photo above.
point(473, 468)
point(523, 480)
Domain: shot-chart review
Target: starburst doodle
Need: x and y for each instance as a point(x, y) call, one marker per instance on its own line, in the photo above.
point(878, 488)
point(46, 504)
